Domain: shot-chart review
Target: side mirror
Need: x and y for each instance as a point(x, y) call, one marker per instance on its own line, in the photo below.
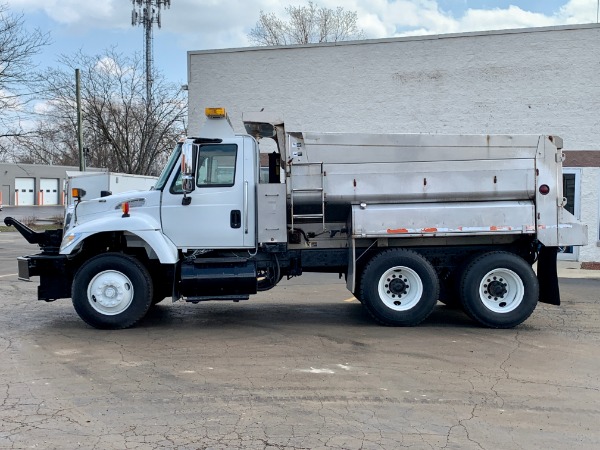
point(187, 183)
point(188, 159)
point(188, 164)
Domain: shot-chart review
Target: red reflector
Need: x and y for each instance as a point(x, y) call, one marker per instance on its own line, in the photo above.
point(544, 189)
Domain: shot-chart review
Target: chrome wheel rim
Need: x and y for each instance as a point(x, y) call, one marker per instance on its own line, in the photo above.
point(501, 290)
point(400, 288)
point(110, 292)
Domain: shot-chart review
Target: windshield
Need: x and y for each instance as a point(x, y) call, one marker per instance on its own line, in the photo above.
point(164, 176)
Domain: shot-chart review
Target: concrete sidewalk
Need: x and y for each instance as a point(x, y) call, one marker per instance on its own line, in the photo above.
point(571, 269)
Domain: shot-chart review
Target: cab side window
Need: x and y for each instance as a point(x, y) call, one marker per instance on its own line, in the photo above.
point(177, 185)
point(216, 165)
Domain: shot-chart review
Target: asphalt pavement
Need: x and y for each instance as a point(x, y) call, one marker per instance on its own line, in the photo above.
point(297, 367)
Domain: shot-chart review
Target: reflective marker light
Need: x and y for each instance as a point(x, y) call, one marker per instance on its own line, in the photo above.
point(77, 192)
point(544, 189)
point(215, 113)
point(125, 209)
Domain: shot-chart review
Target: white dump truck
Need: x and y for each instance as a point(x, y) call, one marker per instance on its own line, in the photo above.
point(407, 219)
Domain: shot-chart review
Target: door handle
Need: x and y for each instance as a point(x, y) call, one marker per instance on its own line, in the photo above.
point(235, 218)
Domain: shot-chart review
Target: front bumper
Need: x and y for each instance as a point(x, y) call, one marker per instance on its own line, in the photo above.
point(56, 277)
point(24, 271)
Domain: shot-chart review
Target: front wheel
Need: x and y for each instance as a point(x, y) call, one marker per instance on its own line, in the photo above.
point(112, 291)
point(399, 287)
point(499, 290)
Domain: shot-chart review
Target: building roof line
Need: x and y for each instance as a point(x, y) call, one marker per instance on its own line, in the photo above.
point(428, 37)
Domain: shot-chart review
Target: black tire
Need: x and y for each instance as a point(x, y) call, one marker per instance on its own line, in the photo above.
point(499, 290)
point(112, 291)
point(399, 288)
point(357, 295)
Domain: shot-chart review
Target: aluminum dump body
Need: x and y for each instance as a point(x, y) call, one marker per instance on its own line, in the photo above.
point(396, 168)
point(433, 185)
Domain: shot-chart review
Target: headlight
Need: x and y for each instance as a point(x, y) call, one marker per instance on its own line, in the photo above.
point(69, 240)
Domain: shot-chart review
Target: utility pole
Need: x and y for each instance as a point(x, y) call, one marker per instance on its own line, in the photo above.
point(147, 13)
point(79, 121)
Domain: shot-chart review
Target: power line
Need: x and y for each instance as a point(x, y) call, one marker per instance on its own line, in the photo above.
point(147, 13)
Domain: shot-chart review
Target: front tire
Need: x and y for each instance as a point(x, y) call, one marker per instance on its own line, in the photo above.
point(399, 288)
point(112, 291)
point(499, 290)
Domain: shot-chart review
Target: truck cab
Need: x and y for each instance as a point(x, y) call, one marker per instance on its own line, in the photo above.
point(216, 206)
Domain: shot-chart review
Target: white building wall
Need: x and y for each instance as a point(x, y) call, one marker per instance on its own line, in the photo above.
point(518, 81)
point(533, 81)
point(590, 212)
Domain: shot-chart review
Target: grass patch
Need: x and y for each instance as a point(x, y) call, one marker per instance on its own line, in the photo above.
point(51, 223)
point(55, 226)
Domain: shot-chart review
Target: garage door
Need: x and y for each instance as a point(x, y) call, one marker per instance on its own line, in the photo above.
point(48, 191)
point(24, 191)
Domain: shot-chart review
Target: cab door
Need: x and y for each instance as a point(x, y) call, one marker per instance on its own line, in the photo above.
point(220, 211)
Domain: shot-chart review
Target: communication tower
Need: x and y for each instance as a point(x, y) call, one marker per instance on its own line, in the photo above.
point(147, 13)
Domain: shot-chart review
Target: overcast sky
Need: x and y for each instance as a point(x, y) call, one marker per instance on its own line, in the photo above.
point(94, 25)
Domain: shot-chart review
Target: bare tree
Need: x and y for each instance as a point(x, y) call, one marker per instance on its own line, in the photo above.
point(121, 132)
point(17, 48)
point(305, 25)
point(49, 142)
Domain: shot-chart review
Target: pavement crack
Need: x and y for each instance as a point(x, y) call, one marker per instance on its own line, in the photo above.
point(504, 369)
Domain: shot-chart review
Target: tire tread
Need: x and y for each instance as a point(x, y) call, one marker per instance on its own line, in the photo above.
point(471, 308)
point(93, 318)
point(366, 284)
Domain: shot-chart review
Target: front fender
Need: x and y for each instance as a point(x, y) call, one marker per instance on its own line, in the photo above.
point(144, 227)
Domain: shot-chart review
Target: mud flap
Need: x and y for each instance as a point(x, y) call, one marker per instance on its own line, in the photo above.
point(548, 276)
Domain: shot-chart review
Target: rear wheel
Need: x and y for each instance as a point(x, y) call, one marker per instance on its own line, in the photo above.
point(399, 287)
point(112, 291)
point(499, 290)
